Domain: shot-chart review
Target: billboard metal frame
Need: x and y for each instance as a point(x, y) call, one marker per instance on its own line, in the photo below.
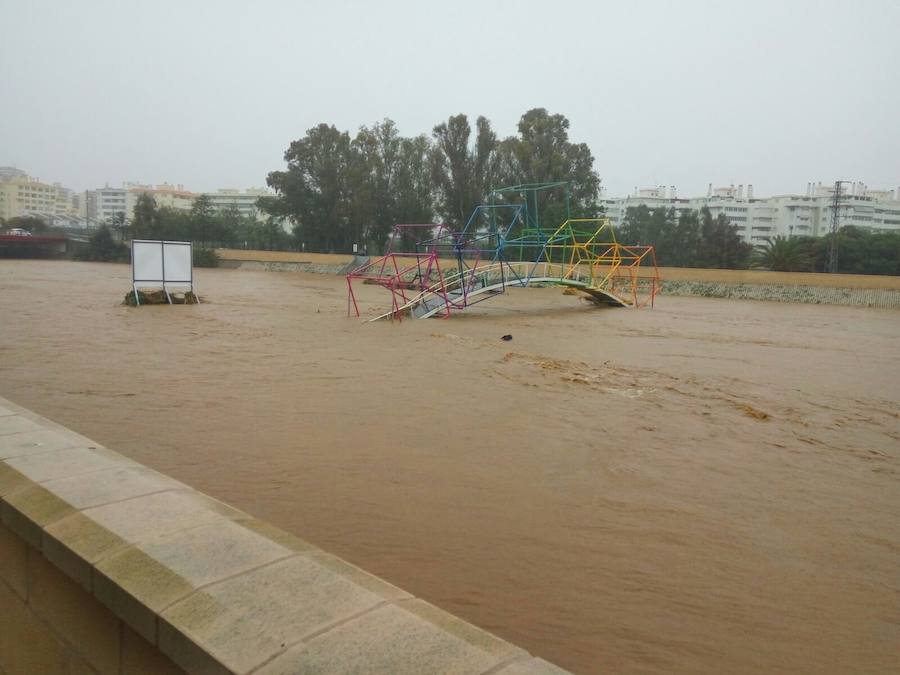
point(164, 281)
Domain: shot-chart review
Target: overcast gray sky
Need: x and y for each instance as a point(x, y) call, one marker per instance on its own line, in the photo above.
point(209, 94)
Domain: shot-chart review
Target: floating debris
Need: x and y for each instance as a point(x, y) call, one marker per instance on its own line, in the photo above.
point(160, 298)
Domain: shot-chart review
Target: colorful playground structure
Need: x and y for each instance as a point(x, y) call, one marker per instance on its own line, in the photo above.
point(431, 270)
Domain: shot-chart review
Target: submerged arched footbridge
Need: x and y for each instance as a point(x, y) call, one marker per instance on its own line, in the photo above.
point(447, 272)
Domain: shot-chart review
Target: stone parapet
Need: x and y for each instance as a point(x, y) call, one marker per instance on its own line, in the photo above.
point(109, 567)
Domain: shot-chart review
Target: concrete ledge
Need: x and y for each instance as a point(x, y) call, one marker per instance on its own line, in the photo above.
point(194, 580)
point(881, 298)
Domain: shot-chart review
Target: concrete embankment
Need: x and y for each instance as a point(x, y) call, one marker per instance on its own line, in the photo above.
point(807, 287)
point(108, 567)
point(287, 261)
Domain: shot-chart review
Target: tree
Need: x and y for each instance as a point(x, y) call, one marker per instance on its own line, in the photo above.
point(232, 225)
point(862, 251)
point(145, 224)
point(372, 183)
point(202, 222)
point(414, 188)
point(690, 239)
point(103, 248)
point(543, 153)
point(643, 225)
point(462, 175)
point(337, 191)
point(684, 244)
point(118, 224)
point(676, 238)
point(314, 191)
point(390, 183)
point(720, 244)
point(783, 254)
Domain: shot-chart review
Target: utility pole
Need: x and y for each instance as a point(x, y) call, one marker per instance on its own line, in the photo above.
point(835, 225)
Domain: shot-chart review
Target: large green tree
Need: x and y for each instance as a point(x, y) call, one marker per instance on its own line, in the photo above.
point(339, 190)
point(686, 239)
point(861, 251)
point(315, 191)
point(720, 244)
point(202, 222)
point(390, 183)
point(462, 171)
point(543, 153)
point(675, 236)
point(145, 223)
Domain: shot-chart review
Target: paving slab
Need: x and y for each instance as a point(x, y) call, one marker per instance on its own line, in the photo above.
point(244, 621)
point(120, 481)
point(386, 640)
point(33, 442)
point(142, 580)
point(16, 424)
point(66, 462)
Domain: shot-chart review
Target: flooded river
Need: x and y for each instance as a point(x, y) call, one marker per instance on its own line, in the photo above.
point(710, 486)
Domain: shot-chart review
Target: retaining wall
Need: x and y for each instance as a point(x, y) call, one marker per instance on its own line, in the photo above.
point(866, 297)
point(110, 568)
point(809, 287)
point(287, 261)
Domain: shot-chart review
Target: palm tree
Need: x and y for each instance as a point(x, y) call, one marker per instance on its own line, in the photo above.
point(783, 254)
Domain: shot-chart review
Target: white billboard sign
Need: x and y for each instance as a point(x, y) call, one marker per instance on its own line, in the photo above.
point(162, 264)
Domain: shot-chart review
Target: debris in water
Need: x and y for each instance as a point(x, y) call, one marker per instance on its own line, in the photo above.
point(159, 298)
point(750, 411)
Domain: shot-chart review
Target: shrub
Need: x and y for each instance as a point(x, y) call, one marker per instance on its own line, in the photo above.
point(205, 257)
point(103, 248)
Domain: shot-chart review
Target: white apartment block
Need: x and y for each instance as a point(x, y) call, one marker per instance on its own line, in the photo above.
point(107, 203)
point(242, 200)
point(788, 215)
point(101, 205)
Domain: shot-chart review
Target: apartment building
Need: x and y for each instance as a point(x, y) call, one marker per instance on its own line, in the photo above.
point(108, 203)
point(102, 205)
point(170, 196)
point(786, 215)
point(23, 195)
point(242, 200)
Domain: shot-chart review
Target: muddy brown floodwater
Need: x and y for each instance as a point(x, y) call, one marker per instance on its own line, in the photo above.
point(710, 486)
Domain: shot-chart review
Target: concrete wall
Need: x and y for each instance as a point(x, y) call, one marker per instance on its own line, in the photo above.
point(881, 298)
point(51, 625)
point(108, 567)
point(286, 261)
point(807, 287)
point(246, 255)
point(762, 277)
